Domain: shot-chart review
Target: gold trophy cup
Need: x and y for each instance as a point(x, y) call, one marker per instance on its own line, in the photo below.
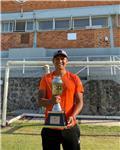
point(56, 117)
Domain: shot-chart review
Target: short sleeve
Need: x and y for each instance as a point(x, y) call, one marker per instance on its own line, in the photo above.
point(79, 85)
point(42, 85)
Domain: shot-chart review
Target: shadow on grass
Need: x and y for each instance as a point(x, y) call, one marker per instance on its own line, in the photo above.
point(34, 128)
point(100, 135)
point(16, 127)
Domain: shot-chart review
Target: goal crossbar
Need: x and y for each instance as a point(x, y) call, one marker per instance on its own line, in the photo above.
point(77, 63)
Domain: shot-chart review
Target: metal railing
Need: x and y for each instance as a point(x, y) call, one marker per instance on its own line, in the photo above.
point(113, 69)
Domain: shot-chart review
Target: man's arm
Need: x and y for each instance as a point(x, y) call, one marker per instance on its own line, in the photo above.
point(43, 101)
point(78, 104)
point(77, 109)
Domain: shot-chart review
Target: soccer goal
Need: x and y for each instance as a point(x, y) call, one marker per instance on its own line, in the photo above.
point(100, 78)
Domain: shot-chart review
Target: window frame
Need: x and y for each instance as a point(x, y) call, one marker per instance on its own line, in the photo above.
point(69, 25)
point(80, 18)
point(44, 20)
point(118, 20)
point(25, 28)
point(8, 28)
point(17, 21)
point(29, 30)
point(99, 17)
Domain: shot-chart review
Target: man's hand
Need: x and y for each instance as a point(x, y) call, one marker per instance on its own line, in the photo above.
point(71, 122)
point(56, 99)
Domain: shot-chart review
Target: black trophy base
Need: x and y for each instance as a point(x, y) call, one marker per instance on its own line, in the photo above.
point(56, 119)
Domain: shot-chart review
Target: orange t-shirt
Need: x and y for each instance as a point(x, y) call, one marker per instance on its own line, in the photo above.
point(71, 85)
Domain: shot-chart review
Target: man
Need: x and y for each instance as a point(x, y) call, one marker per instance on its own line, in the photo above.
point(71, 101)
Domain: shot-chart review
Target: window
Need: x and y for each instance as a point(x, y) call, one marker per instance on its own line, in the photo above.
point(20, 26)
point(80, 23)
point(118, 20)
point(25, 25)
point(62, 24)
point(103, 21)
point(7, 26)
point(29, 25)
point(46, 25)
point(11, 25)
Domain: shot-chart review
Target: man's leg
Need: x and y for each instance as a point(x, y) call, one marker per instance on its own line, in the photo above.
point(71, 138)
point(50, 139)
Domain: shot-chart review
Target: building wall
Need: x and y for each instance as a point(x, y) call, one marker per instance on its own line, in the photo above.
point(116, 32)
point(85, 39)
point(14, 40)
point(88, 38)
point(13, 6)
point(55, 39)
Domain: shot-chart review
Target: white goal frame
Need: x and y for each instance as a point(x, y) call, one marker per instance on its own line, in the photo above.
point(47, 64)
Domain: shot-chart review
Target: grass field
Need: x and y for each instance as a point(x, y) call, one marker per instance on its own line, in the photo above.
point(25, 135)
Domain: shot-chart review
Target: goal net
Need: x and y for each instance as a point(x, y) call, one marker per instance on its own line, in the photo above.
point(100, 77)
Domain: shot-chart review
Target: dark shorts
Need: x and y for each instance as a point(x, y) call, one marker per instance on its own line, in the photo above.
point(69, 138)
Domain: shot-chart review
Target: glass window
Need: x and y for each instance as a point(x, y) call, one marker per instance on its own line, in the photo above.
point(81, 23)
point(11, 25)
point(29, 25)
point(62, 24)
point(118, 20)
point(5, 26)
point(100, 21)
point(20, 26)
point(46, 25)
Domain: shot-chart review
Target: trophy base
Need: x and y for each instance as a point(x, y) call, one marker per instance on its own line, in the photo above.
point(56, 120)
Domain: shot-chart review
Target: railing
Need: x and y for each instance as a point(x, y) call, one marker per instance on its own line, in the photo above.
point(87, 69)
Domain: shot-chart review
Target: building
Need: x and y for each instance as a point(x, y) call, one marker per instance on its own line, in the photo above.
point(87, 30)
point(60, 24)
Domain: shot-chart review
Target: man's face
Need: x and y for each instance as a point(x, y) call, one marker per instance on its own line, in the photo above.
point(60, 62)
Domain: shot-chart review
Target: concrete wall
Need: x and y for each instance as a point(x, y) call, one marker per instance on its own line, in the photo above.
point(86, 52)
point(30, 53)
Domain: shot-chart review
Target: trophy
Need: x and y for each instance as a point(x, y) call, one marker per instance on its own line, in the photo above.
point(56, 117)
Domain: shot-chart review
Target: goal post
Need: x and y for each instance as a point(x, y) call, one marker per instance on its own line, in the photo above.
point(6, 82)
point(46, 65)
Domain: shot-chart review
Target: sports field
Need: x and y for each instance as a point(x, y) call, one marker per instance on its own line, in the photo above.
point(25, 135)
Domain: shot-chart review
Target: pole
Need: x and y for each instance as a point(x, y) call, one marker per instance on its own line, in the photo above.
point(35, 32)
point(4, 109)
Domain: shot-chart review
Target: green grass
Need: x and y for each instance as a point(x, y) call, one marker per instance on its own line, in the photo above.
point(25, 135)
